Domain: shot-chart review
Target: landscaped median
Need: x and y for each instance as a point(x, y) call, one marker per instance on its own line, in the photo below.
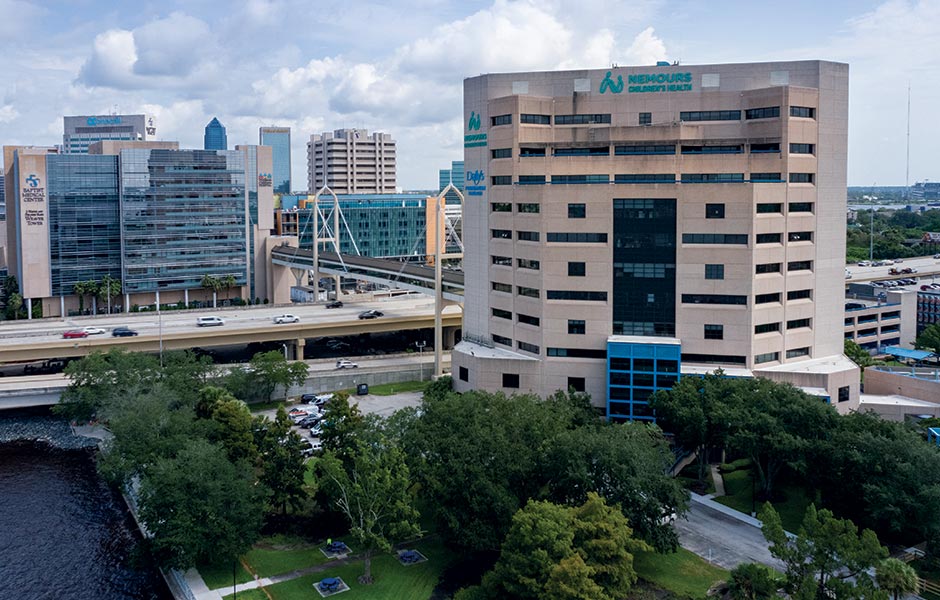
point(739, 488)
point(682, 573)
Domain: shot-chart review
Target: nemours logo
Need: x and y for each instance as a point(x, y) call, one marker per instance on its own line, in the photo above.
point(475, 177)
point(474, 123)
point(32, 180)
point(608, 84)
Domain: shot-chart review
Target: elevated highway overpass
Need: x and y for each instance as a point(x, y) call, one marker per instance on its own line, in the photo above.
point(927, 267)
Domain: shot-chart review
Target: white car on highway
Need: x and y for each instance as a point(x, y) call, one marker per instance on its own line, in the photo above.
point(280, 319)
point(346, 364)
point(210, 321)
point(93, 330)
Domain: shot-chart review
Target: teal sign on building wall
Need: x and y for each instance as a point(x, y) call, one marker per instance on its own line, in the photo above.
point(474, 140)
point(647, 83)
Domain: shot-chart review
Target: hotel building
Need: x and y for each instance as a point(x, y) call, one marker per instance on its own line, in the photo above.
point(351, 161)
point(625, 227)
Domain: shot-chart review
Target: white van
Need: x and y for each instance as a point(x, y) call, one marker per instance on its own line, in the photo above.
point(210, 321)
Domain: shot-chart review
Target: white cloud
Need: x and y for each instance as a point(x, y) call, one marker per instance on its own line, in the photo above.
point(112, 60)
point(8, 114)
point(172, 46)
point(18, 19)
point(646, 49)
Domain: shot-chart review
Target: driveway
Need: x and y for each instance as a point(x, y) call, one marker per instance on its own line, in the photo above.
point(723, 536)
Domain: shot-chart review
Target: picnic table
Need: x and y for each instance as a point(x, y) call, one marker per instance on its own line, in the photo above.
point(329, 584)
point(337, 547)
point(409, 556)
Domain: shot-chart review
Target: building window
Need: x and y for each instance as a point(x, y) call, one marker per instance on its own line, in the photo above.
point(805, 112)
point(766, 178)
point(800, 265)
point(530, 119)
point(501, 287)
point(802, 148)
point(577, 295)
point(710, 115)
point(714, 238)
point(766, 328)
point(767, 298)
point(501, 206)
point(581, 119)
point(644, 149)
point(502, 314)
point(843, 393)
point(801, 178)
point(576, 326)
point(806, 207)
point(765, 148)
point(714, 332)
point(527, 347)
point(527, 291)
point(800, 294)
point(713, 299)
point(645, 178)
point(527, 236)
point(712, 177)
point(578, 179)
point(583, 151)
point(576, 384)
point(646, 118)
point(762, 113)
point(528, 208)
point(463, 374)
point(502, 261)
point(531, 179)
point(714, 211)
point(764, 208)
point(577, 211)
point(577, 353)
point(799, 323)
point(576, 269)
point(502, 340)
point(765, 358)
point(501, 120)
point(531, 152)
point(501, 153)
point(767, 268)
point(714, 271)
point(511, 380)
point(767, 238)
point(501, 234)
point(525, 263)
point(800, 236)
point(726, 149)
point(797, 352)
point(501, 179)
point(528, 319)
point(578, 238)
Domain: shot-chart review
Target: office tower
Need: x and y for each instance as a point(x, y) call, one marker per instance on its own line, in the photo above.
point(455, 175)
point(351, 161)
point(215, 137)
point(82, 131)
point(279, 140)
point(633, 225)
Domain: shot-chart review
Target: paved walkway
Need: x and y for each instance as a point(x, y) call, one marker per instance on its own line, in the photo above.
point(719, 482)
point(202, 591)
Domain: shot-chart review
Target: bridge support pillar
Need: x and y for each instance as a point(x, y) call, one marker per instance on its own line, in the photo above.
point(186, 297)
point(336, 291)
point(127, 303)
point(298, 346)
point(29, 308)
point(450, 337)
point(62, 306)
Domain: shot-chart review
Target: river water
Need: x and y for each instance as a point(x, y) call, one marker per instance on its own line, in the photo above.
point(64, 534)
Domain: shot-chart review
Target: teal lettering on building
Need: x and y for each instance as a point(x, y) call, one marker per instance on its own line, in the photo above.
point(474, 140)
point(648, 83)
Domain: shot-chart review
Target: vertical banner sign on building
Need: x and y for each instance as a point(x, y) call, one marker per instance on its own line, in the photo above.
point(35, 277)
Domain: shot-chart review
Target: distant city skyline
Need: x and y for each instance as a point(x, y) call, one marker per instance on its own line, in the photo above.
point(399, 67)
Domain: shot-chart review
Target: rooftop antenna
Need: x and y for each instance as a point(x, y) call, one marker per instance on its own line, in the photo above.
point(907, 168)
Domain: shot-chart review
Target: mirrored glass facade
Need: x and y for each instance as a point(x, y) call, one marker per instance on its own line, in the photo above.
point(183, 216)
point(279, 140)
point(215, 137)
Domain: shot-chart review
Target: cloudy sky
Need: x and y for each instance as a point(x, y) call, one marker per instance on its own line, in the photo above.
point(318, 65)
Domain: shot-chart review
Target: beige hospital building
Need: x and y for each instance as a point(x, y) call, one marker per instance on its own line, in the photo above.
point(629, 226)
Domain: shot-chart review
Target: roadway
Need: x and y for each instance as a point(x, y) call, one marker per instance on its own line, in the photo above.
point(927, 267)
point(42, 338)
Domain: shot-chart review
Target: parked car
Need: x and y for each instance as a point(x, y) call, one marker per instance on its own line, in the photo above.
point(210, 321)
point(281, 319)
point(296, 411)
point(123, 332)
point(346, 364)
point(864, 263)
point(924, 288)
point(936, 256)
point(317, 400)
point(93, 330)
point(371, 314)
point(75, 333)
point(309, 422)
point(316, 430)
point(335, 304)
point(311, 447)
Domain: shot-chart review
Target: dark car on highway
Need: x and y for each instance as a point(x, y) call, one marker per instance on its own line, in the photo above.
point(371, 314)
point(335, 304)
point(123, 332)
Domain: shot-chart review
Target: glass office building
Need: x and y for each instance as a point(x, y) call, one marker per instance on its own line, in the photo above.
point(215, 137)
point(279, 140)
point(84, 219)
point(184, 216)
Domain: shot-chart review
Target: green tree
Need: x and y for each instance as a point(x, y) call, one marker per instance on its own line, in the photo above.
point(101, 380)
point(570, 579)
point(227, 283)
point(233, 428)
point(108, 288)
point(199, 507)
point(82, 289)
point(857, 354)
point(282, 463)
point(14, 305)
point(341, 425)
point(896, 577)
point(212, 284)
point(828, 558)
point(371, 488)
point(751, 581)
point(626, 464)
point(10, 286)
point(929, 339)
point(266, 371)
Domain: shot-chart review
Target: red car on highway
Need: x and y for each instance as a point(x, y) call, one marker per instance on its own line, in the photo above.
point(75, 333)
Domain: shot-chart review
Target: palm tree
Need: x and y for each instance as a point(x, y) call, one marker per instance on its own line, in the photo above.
point(228, 282)
point(83, 288)
point(210, 284)
point(896, 576)
point(109, 288)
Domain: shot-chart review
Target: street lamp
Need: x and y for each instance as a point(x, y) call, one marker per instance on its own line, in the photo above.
point(284, 346)
point(420, 346)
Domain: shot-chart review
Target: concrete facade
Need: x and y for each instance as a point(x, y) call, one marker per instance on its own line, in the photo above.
point(82, 131)
point(351, 161)
point(751, 159)
point(873, 324)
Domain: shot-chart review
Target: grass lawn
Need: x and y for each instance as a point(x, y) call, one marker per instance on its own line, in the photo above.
point(738, 490)
point(682, 573)
point(387, 389)
point(393, 581)
point(219, 576)
point(283, 554)
point(688, 477)
point(259, 406)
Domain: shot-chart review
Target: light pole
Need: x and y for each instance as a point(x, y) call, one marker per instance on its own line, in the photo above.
point(420, 346)
point(160, 328)
point(284, 346)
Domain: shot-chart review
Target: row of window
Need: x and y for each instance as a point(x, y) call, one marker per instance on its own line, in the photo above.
point(652, 149)
point(741, 300)
point(645, 118)
point(574, 237)
point(586, 296)
point(775, 356)
point(741, 238)
point(655, 178)
point(775, 327)
point(712, 211)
